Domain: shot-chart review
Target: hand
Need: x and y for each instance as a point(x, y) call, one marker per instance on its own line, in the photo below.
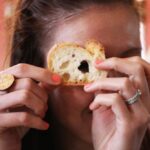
point(116, 125)
point(145, 65)
point(24, 105)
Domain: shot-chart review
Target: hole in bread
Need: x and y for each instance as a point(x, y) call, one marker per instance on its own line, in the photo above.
point(64, 65)
point(84, 66)
point(66, 76)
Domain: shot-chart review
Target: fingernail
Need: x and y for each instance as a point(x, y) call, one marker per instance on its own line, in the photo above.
point(91, 107)
point(88, 85)
point(56, 78)
point(46, 125)
point(97, 62)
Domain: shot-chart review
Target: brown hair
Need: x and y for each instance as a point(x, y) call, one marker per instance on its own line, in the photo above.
point(36, 21)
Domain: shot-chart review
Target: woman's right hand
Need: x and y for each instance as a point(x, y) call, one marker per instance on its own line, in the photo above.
point(24, 105)
point(117, 124)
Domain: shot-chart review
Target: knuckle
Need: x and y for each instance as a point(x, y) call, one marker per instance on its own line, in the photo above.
point(137, 59)
point(24, 118)
point(41, 109)
point(21, 68)
point(46, 97)
point(115, 59)
point(116, 98)
point(115, 62)
point(28, 83)
point(96, 99)
point(25, 95)
point(98, 85)
point(126, 83)
point(139, 68)
point(44, 72)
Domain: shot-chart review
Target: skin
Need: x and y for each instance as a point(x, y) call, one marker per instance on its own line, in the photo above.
point(93, 23)
point(85, 115)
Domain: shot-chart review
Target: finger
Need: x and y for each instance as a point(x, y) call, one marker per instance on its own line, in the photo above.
point(17, 119)
point(145, 65)
point(33, 72)
point(30, 85)
point(3, 92)
point(121, 65)
point(114, 101)
point(23, 98)
point(122, 85)
point(125, 88)
point(134, 70)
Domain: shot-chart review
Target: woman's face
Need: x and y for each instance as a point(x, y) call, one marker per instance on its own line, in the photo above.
point(117, 28)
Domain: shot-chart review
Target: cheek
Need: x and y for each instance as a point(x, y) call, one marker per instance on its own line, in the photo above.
point(70, 108)
point(68, 102)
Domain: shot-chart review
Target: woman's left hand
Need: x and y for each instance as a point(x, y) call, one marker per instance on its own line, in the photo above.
point(115, 124)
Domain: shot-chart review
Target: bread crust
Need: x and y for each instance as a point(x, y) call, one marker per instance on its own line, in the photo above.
point(95, 49)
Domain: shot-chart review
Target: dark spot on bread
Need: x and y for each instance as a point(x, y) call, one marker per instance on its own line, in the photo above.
point(73, 55)
point(66, 76)
point(84, 66)
point(64, 65)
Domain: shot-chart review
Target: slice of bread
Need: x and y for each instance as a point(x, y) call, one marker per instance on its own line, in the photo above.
point(75, 63)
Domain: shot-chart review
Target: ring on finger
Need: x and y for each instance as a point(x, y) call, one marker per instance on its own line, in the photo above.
point(135, 98)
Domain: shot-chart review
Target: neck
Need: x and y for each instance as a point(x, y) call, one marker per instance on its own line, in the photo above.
point(65, 141)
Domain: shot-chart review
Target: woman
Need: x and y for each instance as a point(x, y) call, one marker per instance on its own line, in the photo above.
point(93, 117)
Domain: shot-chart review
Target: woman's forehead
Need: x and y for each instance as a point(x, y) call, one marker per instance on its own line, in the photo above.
point(116, 27)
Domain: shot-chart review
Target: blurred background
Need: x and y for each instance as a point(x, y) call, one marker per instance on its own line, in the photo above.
point(7, 8)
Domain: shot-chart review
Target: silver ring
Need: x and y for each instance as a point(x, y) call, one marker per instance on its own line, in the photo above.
point(135, 98)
